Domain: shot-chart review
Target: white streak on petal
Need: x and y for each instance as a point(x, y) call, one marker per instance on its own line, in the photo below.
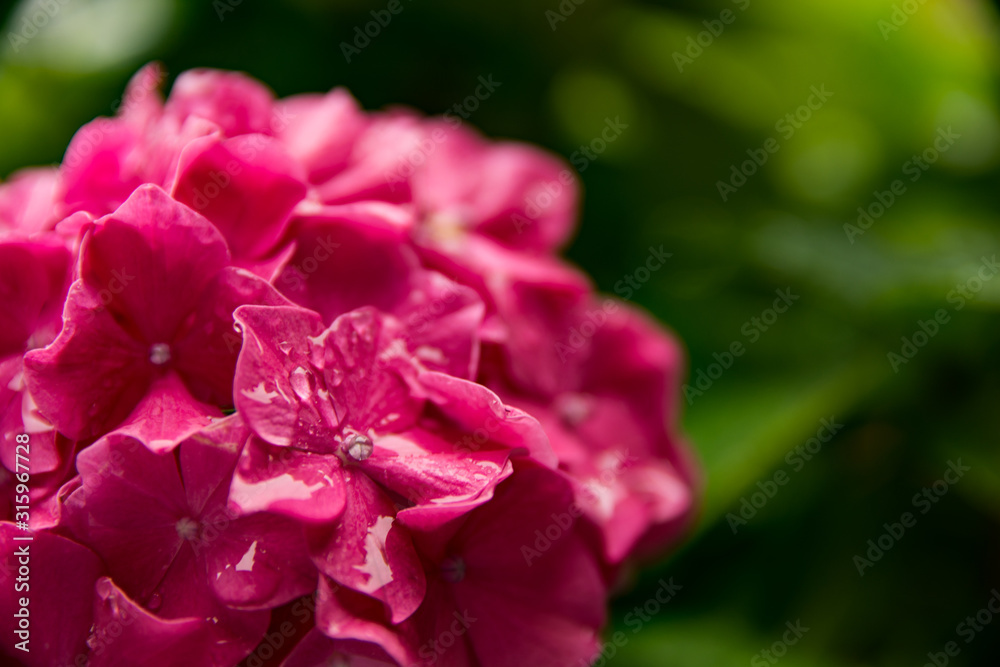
point(259, 394)
point(376, 560)
point(246, 563)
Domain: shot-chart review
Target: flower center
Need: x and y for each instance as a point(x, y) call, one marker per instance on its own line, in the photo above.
point(444, 227)
point(358, 447)
point(573, 408)
point(159, 353)
point(187, 528)
point(453, 569)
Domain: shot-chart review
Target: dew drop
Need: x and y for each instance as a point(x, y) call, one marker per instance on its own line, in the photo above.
point(358, 447)
point(302, 381)
point(155, 602)
point(159, 353)
point(334, 376)
point(285, 346)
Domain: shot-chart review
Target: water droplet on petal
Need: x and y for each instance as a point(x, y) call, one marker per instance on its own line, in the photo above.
point(358, 447)
point(155, 601)
point(159, 353)
point(302, 383)
point(334, 376)
point(285, 346)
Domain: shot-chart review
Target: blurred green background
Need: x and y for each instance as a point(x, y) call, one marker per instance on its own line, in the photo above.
point(894, 74)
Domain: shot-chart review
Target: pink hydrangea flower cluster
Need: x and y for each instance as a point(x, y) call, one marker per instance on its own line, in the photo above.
point(298, 384)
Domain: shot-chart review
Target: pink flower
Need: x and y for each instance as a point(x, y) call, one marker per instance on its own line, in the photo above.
point(187, 570)
point(612, 420)
point(511, 193)
point(338, 244)
point(440, 452)
point(498, 594)
point(34, 276)
point(234, 102)
point(209, 146)
point(349, 402)
point(125, 634)
point(246, 186)
point(28, 201)
point(319, 131)
point(147, 346)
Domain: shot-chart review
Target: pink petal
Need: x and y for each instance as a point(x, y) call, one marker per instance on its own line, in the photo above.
point(100, 168)
point(514, 193)
point(246, 186)
point(301, 485)
point(474, 409)
point(344, 261)
point(34, 277)
point(318, 649)
point(207, 461)
point(166, 415)
point(134, 500)
point(357, 623)
point(233, 101)
point(61, 581)
point(276, 351)
point(154, 257)
point(321, 130)
point(426, 470)
point(93, 375)
point(442, 320)
point(260, 562)
point(368, 551)
point(126, 635)
point(207, 351)
point(298, 384)
point(28, 200)
point(548, 611)
point(380, 157)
